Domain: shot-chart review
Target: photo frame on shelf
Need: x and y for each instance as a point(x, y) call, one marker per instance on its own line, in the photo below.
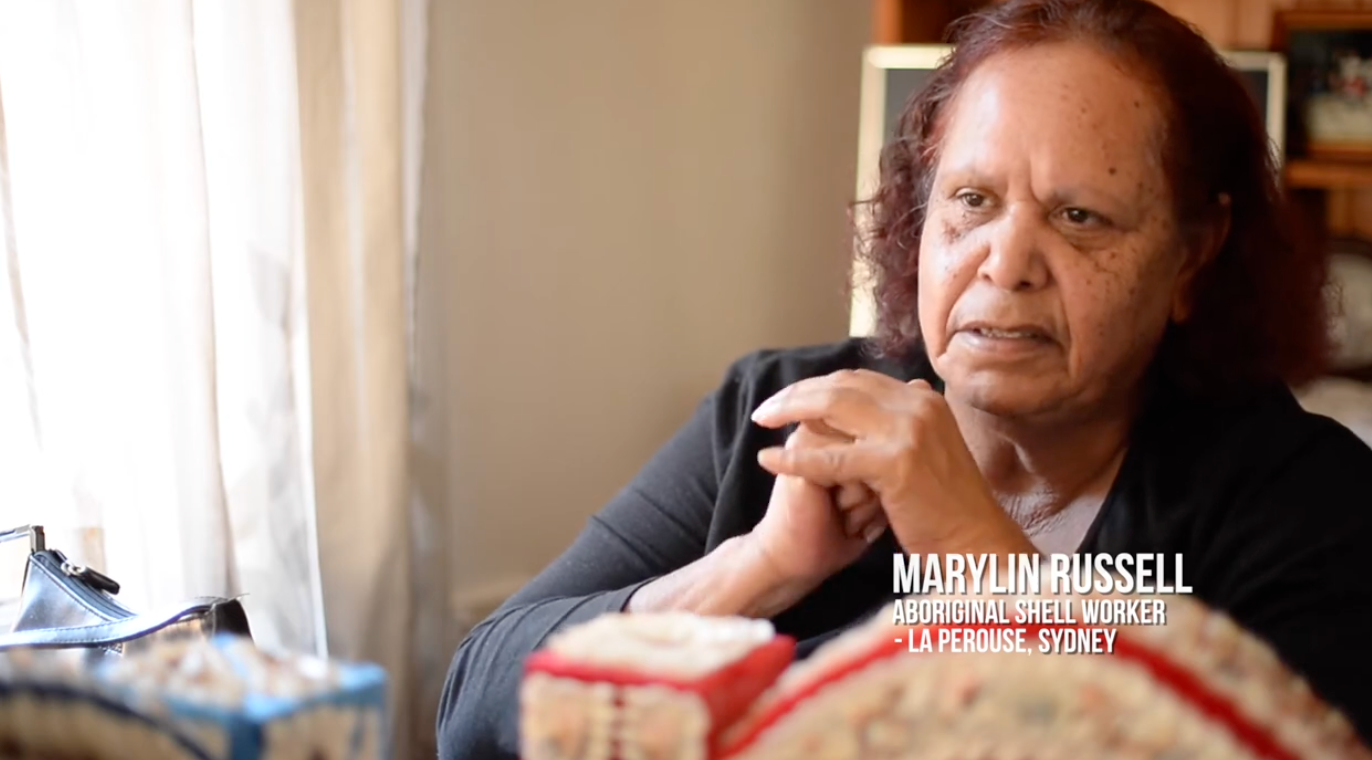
point(892, 74)
point(1329, 99)
point(1344, 391)
point(1350, 274)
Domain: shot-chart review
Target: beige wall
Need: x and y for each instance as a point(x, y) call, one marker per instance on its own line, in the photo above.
point(620, 197)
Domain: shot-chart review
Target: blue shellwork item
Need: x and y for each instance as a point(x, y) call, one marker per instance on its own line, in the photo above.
point(194, 699)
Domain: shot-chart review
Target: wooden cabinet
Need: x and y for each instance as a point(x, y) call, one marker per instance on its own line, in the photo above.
point(897, 22)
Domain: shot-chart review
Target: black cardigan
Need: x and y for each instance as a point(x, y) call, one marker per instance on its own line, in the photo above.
point(1271, 506)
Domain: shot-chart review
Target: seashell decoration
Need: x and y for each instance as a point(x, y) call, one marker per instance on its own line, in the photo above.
point(191, 699)
point(1194, 687)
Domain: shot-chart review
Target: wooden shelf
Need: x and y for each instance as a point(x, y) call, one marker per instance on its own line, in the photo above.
point(903, 22)
point(1307, 173)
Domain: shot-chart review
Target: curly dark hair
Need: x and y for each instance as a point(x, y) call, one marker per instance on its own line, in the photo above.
point(1259, 314)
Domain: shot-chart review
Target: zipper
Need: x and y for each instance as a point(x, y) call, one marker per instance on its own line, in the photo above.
point(94, 599)
point(92, 576)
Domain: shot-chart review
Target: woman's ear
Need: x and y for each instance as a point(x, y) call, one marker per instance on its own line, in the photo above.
point(1202, 250)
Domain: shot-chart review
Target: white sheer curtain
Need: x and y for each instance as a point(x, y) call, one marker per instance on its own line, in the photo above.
point(207, 221)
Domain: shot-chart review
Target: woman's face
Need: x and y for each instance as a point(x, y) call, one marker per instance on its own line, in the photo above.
point(1050, 260)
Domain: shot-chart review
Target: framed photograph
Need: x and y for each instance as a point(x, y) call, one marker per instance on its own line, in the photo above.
point(892, 74)
point(1329, 54)
point(1350, 275)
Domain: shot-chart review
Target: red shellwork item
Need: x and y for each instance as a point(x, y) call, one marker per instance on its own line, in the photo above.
point(727, 693)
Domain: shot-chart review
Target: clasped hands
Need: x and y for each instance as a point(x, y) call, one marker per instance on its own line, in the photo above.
point(869, 452)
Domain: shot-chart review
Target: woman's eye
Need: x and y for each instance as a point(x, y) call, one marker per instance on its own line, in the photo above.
point(972, 200)
point(1080, 216)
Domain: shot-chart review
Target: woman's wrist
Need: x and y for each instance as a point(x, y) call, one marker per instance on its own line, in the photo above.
point(770, 588)
point(737, 578)
point(990, 531)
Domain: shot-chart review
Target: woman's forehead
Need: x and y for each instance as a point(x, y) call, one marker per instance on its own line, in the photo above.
point(1065, 103)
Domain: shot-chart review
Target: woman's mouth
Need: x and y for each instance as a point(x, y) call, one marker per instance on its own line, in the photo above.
point(1008, 341)
point(1008, 332)
point(1013, 333)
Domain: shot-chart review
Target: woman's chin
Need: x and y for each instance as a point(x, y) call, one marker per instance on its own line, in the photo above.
point(1003, 395)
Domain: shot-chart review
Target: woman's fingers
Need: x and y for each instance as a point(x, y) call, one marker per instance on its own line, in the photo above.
point(830, 466)
point(854, 520)
point(903, 443)
point(854, 404)
point(863, 520)
point(852, 495)
point(876, 528)
point(820, 433)
point(846, 411)
point(816, 435)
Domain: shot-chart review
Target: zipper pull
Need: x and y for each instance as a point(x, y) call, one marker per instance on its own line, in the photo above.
point(91, 576)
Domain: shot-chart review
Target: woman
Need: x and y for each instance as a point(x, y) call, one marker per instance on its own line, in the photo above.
point(1090, 309)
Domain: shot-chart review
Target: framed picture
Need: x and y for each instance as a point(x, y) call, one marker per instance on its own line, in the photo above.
point(891, 74)
point(1350, 275)
point(1329, 55)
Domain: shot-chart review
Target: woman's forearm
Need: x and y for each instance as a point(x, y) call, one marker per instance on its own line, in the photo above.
point(734, 579)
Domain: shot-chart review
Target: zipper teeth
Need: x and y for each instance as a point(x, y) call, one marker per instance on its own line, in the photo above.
point(95, 600)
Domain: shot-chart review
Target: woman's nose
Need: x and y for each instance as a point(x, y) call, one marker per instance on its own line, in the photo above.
point(1014, 260)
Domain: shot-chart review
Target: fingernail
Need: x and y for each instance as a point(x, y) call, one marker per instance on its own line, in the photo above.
point(872, 533)
point(765, 409)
